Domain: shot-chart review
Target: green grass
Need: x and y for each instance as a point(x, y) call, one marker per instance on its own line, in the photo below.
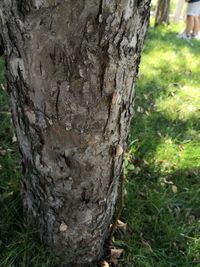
point(163, 192)
point(163, 188)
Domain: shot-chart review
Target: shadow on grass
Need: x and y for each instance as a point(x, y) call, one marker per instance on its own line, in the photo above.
point(162, 213)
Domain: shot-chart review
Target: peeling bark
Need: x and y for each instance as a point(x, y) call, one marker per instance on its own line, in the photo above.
point(71, 70)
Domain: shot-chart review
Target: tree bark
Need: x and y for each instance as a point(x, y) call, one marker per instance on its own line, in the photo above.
point(162, 12)
point(1, 46)
point(1, 50)
point(71, 70)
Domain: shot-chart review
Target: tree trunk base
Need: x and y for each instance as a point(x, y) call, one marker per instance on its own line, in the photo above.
point(162, 12)
point(71, 69)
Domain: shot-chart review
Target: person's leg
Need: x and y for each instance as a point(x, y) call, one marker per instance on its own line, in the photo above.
point(199, 23)
point(196, 32)
point(196, 26)
point(189, 24)
point(196, 14)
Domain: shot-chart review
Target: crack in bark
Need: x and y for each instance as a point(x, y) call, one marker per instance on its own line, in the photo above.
point(100, 10)
point(57, 100)
point(40, 68)
point(13, 39)
point(104, 59)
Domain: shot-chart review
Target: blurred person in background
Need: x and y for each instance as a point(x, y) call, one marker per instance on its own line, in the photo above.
point(192, 29)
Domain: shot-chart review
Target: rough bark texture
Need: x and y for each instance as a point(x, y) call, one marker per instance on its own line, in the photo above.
point(1, 46)
point(71, 69)
point(1, 50)
point(162, 12)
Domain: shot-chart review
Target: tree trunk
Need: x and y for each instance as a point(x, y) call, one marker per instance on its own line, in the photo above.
point(71, 70)
point(1, 50)
point(162, 12)
point(1, 46)
point(179, 9)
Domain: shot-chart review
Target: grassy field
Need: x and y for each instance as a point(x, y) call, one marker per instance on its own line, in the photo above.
point(163, 166)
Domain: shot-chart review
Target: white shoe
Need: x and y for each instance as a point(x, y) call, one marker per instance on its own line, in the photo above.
point(197, 36)
point(184, 36)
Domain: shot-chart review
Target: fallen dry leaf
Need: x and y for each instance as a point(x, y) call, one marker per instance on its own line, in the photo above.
point(121, 225)
point(14, 139)
point(3, 87)
point(191, 219)
point(116, 253)
point(2, 152)
point(9, 150)
point(145, 242)
point(167, 182)
point(174, 189)
point(137, 170)
point(180, 147)
point(105, 264)
point(140, 109)
point(159, 134)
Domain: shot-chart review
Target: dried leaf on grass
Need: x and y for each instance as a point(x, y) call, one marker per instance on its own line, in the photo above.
point(2, 152)
point(174, 189)
point(159, 134)
point(105, 264)
point(14, 139)
point(180, 147)
point(115, 254)
point(121, 225)
point(3, 87)
point(166, 181)
point(137, 170)
point(140, 109)
point(145, 242)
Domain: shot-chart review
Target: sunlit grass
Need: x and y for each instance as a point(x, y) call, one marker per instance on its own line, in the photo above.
point(163, 192)
point(182, 103)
